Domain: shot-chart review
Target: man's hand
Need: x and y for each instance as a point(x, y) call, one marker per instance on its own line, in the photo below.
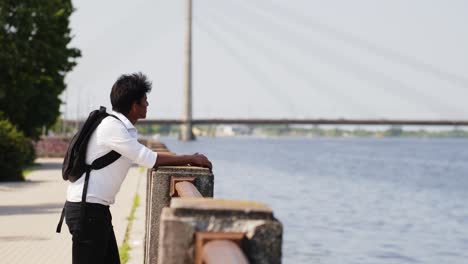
point(196, 159)
point(201, 160)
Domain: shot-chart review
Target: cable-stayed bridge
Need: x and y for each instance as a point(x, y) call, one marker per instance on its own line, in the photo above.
point(222, 27)
point(275, 56)
point(288, 121)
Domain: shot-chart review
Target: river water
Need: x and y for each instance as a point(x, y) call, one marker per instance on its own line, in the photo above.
point(351, 200)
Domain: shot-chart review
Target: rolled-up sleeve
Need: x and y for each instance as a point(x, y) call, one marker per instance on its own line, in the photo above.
point(115, 136)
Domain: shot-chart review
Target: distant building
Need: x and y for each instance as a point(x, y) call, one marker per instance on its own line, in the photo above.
point(234, 130)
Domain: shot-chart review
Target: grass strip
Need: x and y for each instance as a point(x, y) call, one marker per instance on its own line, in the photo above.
point(26, 172)
point(30, 168)
point(125, 248)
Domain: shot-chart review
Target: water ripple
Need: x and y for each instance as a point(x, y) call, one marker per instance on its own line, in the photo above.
point(374, 201)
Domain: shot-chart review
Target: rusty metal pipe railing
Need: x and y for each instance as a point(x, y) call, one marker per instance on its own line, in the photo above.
point(187, 189)
point(214, 251)
point(223, 251)
point(211, 247)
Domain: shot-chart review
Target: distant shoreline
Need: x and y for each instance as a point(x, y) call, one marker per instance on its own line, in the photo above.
point(297, 131)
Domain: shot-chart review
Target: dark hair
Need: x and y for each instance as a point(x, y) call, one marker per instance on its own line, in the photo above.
point(127, 89)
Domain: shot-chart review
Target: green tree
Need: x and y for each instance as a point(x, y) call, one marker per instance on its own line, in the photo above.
point(34, 58)
point(394, 131)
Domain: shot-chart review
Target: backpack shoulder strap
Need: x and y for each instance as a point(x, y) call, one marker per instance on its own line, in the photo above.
point(107, 159)
point(115, 117)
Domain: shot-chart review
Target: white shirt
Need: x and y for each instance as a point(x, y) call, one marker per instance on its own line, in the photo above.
point(111, 134)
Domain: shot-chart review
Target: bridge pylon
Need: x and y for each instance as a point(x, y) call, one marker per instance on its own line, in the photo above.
point(186, 127)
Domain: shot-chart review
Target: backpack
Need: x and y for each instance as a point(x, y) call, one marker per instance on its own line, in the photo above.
point(74, 163)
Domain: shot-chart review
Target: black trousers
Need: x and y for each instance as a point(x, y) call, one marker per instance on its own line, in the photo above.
point(93, 238)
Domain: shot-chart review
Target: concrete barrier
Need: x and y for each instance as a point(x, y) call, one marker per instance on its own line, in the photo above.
point(185, 231)
point(160, 196)
point(191, 222)
point(160, 148)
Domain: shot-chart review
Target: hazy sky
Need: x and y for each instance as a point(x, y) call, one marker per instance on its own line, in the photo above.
point(278, 58)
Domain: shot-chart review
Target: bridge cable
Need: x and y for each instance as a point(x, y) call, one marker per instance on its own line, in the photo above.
point(349, 66)
point(354, 40)
point(255, 72)
point(306, 76)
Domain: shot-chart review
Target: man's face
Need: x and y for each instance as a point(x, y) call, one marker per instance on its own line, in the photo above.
point(142, 107)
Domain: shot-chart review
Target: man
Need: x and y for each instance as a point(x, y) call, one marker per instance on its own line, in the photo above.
point(97, 244)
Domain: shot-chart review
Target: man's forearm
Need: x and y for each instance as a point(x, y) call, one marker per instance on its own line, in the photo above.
point(172, 160)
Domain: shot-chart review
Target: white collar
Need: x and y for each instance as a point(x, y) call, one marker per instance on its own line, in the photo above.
point(124, 120)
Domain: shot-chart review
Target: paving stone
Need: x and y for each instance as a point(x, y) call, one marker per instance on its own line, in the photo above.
point(30, 210)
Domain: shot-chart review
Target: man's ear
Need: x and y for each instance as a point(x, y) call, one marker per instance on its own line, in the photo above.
point(133, 107)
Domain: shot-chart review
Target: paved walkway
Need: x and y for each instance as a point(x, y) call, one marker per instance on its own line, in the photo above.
point(29, 212)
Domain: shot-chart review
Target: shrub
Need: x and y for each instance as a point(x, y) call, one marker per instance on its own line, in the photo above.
point(29, 153)
point(16, 152)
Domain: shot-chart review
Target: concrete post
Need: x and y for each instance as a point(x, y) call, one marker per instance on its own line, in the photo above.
point(159, 197)
point(189, 218)
point(160, 148)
